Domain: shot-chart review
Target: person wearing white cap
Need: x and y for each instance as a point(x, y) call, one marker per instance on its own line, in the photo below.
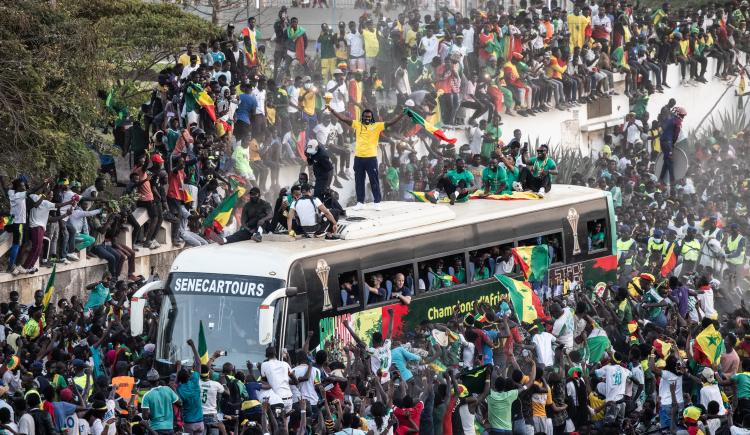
point(710, 390)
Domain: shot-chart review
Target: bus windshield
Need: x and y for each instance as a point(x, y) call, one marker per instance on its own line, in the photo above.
point(227, 305)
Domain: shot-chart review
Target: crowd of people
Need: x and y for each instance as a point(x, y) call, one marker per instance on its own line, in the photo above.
point(228, 118)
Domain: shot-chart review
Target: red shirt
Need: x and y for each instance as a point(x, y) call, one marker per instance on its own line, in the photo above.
point(403, 414)
point(175, 190)
point(144, 190)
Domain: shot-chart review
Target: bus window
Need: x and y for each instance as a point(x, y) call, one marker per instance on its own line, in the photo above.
point(349, 290)
point(553, 240)
point(442, 272)
point(597, 234)
point(295, 331)
point(486, 262)
point(394, 283)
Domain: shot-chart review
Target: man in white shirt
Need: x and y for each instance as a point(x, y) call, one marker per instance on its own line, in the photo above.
point(210, 390)
point(428, 46)
point(339, 93)
point(327, 132)
point(188, 69)
point(277, 374)
point(309, 210)
point(545, 355)
point(38, 218)
point(564, 326)
point(356, 46)
point(307, 378)
point(633, 129)
point(615, 379)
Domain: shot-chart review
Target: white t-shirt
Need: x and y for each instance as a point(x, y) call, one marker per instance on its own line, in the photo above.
point(543, 344)
point(468, 43)
point(633, 133)
point(615, 378)
point(26, 425)
point(67, 195)
point(707, 302)
point(380, 359)
point(17, 206)
point(324, 132)
point(374, 426)
point(340, 96)
point(564, 328)
point(355, 43)
point(83, 427)
point(467, 419)
point(260, 97)
point(430, 46)
point(668, 378)
point(735, 430)
point(277, 374)
point(306, 389)
point(39, 215)
point(306, 210)
point(209, 393)
point(709, 393)
point(293, 93)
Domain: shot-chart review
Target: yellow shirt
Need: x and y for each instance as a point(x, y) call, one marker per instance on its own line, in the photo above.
point(307, 101)
point(372, 46)
point(184, 59)
point(411, 38)
point(367, 138)
point(577, 28)
point(595, 402)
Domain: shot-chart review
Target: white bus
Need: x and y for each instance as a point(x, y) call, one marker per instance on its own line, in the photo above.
point(249, 294)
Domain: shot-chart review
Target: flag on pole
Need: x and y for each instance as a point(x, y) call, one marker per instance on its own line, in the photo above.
point(525, 301)
point(708, 346)
point(197, 95)
point(202, 347)
point(417, 119)
point(50, 288)
point(670, 261)
point(534, 261)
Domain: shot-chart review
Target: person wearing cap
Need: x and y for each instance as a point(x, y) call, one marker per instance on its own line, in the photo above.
point(689, 250)
point(710, 390)
point(367, 134)
point(158, 404)
point(735, 245)
point(338, 91)
point(318, 157)
point(656, 243)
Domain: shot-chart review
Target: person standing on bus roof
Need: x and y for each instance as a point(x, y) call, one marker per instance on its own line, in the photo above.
point(318, 157)
point(367, 133)
point(255, 214)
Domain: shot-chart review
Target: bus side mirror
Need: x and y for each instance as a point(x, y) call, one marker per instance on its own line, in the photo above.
point(267, 313)
point(138, 304)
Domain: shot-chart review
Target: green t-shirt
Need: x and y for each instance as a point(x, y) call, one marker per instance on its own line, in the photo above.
point(499, 407)
point(511, 176)
point(743, 385)
point(495, 178)
point(159, 402)
point(547, 164)
point(651, 297)
point(327, 49)
point(457, 177)
point(172, 136)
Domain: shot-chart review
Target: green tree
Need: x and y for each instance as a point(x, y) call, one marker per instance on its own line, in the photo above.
point(57, 58)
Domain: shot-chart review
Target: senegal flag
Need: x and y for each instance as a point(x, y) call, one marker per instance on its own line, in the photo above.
point(196, 95)
point(202, 347)
point(219, 217)
point(708, 346)
point(416, 118)
point(597, 344)
point(525, 301)
point(50, 288)
point(534, 261)
point(670, 261)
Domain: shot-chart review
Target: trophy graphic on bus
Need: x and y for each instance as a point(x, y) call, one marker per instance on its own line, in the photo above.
point(573, 217)
point(322, 271)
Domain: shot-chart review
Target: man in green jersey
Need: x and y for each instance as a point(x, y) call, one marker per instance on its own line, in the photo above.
point(456, 183)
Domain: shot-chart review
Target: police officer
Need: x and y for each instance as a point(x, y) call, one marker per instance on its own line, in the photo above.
point(626, 251)
point(690, 250)
point(318, 158)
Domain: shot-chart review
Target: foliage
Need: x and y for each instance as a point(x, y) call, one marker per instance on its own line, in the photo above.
point(56, 57)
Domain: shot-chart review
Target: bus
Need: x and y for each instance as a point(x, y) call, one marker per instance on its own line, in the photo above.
point(249, 295)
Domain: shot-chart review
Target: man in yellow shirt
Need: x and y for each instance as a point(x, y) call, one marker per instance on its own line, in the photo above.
point(367, 133)
point(307, 96)
point(372, 46)
point(184, 58)
point(577, 27)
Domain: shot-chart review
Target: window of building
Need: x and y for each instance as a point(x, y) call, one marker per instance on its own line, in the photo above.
point(390, 284)
point(442, 272)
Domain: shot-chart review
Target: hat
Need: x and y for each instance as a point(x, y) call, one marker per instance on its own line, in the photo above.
point(152, 375)
point(606, 150)
point(708, 374)
point(647, 277)
point(658, 234)
point(37, 365)
point(78, 363)
point(463, 391)
point(306, 79)
point(337, 71)
point(692, 414)
point(13, 362)
point(149, 347)
point(312, 146)
point(75, 183)
point(157, 158)
point(66, 394)
point(575, 372)
point(63, 182)
point(409, 103)
point(441, 338)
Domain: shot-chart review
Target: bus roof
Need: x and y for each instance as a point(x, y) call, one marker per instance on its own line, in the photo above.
point(274, 256)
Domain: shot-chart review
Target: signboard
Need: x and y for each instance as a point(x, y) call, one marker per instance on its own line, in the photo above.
point(222, 285)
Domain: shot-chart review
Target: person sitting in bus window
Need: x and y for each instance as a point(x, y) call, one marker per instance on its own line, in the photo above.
point(456, 183)
point(310, 211)
point(596, 237)
point(401, 290)
point(482, 268)
point(437, 276)
point(457, 271)
point(255, 214)
point(376, 291)
point(505, 262)
point(349, 291)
